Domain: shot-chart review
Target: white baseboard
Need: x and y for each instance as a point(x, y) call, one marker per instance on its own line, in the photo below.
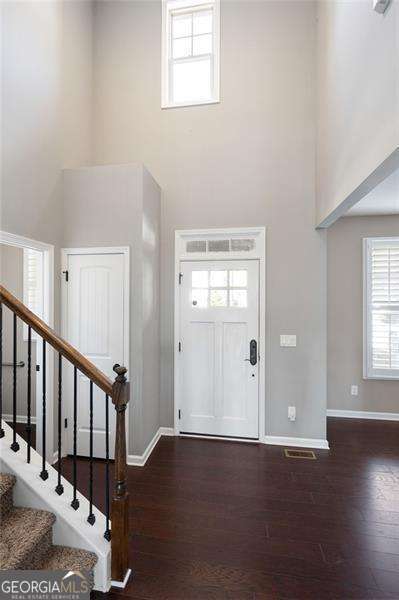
point(122, 584)
point(296, 442)
point(139, 460)
point(198, 436)
point(20, 419)
point(363, 414)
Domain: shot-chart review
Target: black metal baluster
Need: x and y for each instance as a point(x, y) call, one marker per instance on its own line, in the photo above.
point(75, 501)
point(59, 488)
point(91, 518)
point(44, 473)
point(14, 445)
point(1, 370)
point(107, 533)
point(29, 393)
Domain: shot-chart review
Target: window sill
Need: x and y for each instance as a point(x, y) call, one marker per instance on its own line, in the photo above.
point(381, 377)
point(186, 104)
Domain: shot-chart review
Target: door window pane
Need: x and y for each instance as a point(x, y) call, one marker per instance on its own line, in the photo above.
point(218, 298)
point(199, 279)
point(238, 298)
point(238, 278)
point(199, 298)
point(218, 278)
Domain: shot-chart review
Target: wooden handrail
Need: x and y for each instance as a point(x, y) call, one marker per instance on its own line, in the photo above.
point(119, 392)
point(59, 344)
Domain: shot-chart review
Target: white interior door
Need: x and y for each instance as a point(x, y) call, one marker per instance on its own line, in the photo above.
point(219, 317)
point(95, 326)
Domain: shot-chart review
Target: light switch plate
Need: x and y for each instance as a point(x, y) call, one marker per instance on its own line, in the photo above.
point(288, 341)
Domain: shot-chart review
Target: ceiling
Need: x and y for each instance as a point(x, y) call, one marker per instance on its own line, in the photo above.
point(382, 200)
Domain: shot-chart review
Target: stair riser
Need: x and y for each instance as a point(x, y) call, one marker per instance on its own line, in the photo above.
point(6, 504)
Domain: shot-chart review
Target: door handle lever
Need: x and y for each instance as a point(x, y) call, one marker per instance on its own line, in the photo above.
point(253, 352)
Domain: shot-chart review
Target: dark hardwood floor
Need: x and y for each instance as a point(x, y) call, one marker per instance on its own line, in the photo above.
point(215, 520)
point(21, 430)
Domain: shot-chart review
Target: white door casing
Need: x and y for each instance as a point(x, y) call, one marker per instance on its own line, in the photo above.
point(47, 250)
point(219, 316)
point(96, 317)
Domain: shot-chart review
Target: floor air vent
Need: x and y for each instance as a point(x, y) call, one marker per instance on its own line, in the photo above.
point(307, 454)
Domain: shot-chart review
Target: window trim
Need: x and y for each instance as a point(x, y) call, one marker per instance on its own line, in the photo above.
point(187, 6)
point(368, 371)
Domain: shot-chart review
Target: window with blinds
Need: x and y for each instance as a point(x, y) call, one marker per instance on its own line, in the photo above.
point(382, 308)
point(33, 284)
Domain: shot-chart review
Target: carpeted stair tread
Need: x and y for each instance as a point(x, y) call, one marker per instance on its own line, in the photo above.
point(25, 538)
point(74, 559)
point(6, 483)
point(6, 491)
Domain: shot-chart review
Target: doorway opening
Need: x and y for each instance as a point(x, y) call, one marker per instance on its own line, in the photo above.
point(27, 268)
point(220, 334)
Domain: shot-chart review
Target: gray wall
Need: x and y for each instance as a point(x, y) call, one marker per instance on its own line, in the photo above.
point(119, 206)
point(11, 269)
point(46, 106)
point(358, 83)
point(249, 160)
point(151, 265)
point(345, 317)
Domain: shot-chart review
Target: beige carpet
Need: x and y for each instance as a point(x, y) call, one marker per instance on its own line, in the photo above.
point(26, 538)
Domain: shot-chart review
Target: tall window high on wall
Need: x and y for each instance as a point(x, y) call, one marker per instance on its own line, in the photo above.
point(190, 52)
point(381, 308)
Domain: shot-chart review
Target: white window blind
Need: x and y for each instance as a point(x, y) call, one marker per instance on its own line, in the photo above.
point(190, 52)
point(33, 284)
point(382, 307)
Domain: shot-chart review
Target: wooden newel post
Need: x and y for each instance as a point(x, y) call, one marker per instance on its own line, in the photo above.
point(120, 497)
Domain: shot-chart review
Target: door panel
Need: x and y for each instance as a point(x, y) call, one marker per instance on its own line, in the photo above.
point(234, 376)
point(95, 326)
point(219, 316)
point(199, 372)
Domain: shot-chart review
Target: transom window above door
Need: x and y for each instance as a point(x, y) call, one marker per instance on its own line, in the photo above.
point(190, 52)
point(219, 288)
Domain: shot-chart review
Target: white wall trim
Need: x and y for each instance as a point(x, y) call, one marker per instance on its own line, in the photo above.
point(19, 241)
point(384, 169)
point(122, 584)
point(296, 442)
point(194, 436)
point(125, 251)
point(20, 418)
point(258, 254)
point(363, 414)
point(139, 460)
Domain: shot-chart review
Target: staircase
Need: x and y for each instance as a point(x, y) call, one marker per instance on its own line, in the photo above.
point(26, 534)
point(26, 538)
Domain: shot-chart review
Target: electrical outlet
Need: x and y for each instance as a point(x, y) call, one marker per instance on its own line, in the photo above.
point(354, 390)
point(292, 413)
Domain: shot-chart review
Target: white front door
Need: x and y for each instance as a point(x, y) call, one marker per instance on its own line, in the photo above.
point(219, 363)
point(95, 326)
